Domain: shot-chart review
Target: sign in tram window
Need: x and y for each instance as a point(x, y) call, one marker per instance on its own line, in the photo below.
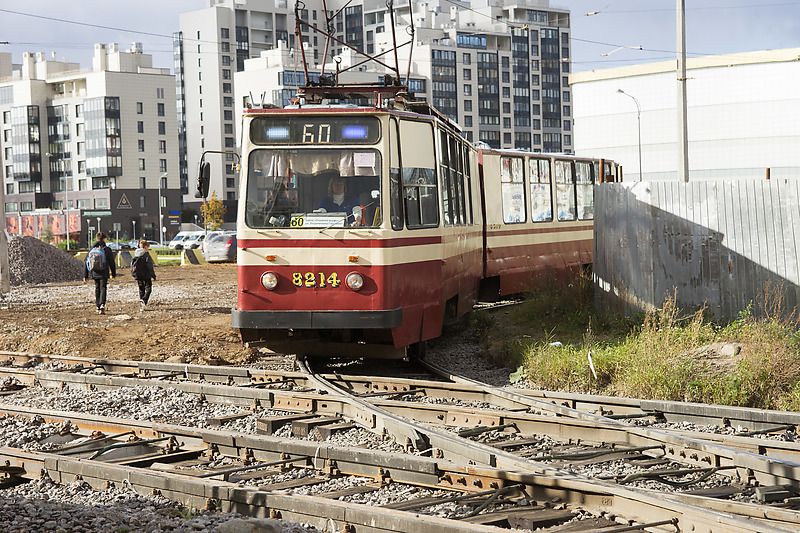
point(512, 188)
point(584, 183)
point(565, 191)
point(290, 129)
point(541, 190)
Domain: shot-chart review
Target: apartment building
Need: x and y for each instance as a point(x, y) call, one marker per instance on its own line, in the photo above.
point(499, 69)
point(94, 149)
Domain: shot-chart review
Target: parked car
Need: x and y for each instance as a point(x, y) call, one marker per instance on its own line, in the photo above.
point(214, 233)
point(193, 241)
point(221, 248)
point(177, 242)
point(119, 246)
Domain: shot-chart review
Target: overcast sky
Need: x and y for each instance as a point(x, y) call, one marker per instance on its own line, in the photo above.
point(712, 27)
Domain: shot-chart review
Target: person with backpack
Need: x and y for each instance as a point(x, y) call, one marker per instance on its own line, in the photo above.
point(144, 272)
point(100, 267)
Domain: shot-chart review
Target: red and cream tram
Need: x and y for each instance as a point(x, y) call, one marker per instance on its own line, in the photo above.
point(361, 231)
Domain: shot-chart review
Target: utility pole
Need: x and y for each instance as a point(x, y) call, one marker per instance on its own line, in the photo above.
point(5, 271)
point(683, 128)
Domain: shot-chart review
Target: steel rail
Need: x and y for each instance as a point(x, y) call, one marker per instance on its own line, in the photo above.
point(705, 450)
point(645, 507)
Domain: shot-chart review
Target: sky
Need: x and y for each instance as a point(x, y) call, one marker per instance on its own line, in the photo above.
point(617, 28)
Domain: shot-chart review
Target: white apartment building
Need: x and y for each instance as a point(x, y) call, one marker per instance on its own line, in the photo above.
point(743, 116)
point(89, 149)
point(499, 69)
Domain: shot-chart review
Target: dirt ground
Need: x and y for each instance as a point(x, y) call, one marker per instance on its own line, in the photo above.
point(188, 319)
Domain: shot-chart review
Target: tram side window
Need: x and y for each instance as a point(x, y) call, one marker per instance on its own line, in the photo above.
point(420, 196)
point(451, 165)
point(512, 188)
point(584, 182)
point(467, 185)
point(541, 190)
point(565, 191)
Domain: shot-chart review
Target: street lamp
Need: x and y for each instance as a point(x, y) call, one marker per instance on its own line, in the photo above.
point(98, 225)
point(160, 222)
point(134, 229)
point(639, 121)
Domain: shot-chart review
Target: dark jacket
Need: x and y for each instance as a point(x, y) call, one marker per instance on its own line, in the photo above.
point(149, 271)
point(109, 270)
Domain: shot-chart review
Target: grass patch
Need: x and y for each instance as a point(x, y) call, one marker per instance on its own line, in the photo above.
point(560, 342)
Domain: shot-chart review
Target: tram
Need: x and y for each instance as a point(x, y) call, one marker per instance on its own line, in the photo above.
point(363, 230)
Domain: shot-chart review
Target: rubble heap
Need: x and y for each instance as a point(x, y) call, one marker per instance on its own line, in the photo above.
point(33, 262)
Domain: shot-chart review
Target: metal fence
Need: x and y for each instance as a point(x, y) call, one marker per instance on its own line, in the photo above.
point(725, 245)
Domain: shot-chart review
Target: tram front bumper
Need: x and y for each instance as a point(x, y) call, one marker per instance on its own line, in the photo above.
point(390, 318)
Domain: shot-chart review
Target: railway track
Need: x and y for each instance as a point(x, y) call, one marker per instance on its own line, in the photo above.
point(468, 439)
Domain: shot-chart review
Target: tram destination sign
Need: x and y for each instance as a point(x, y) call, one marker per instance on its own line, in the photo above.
point(333, 129)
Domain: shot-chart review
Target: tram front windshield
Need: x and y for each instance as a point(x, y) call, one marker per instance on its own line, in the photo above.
point(311, 188)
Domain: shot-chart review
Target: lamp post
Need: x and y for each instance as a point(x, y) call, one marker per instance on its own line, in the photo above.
point(134, 229)
point(98, 225)
point(160, 222)
point(639, 122)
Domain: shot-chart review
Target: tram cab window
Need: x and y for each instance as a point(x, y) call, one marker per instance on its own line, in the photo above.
point(565, 191)
point(584, 184)
point(286, 188)
point(541, 190)
point(419, 184)
point(512, 188)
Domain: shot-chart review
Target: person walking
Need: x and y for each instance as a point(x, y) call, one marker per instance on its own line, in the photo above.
point(144, 272)
point(100, 267)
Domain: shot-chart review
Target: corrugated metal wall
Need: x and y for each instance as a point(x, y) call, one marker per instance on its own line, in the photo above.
point(713, 242)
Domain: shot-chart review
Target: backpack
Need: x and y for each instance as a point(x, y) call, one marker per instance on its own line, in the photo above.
point(96, 260)
point(139, 267)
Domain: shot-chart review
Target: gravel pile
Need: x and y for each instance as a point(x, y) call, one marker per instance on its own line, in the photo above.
point(33, 262)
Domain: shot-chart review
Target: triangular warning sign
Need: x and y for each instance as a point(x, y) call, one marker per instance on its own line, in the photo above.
point(123, 202)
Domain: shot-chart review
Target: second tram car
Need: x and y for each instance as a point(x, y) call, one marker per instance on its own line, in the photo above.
point(362, 230)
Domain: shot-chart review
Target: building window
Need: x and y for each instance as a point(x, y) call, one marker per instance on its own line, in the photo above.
point(142, 201)
point(140, 126)
point(466, 59)
point(229, 142)
point(226, 74)
point(162, 128)
point(162, 165)
point(230, 183)
point(226, 88)
point(506, 77)
point(227, 114)
point(467, 105)
point(162, 147)
point(224, 33)
point(506, 92)
point(467, 74)
point(7, 117)
point(141, 164)
point(506, 138)
point(81, 167)
point(139, 108)
point(226, 46)
point(161, 111)
point(506, 107)
point(506, 122)
point(468, 121)
point(230, 195)
point(565, 96)
point(78, 130)
point(467, 90)
point(160, 93)
point(227, 101)
point(226, 61)
point(142, 183)
point(228, 129)
point(141, 145)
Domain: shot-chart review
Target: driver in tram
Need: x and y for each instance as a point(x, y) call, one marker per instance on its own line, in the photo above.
point(338, 201)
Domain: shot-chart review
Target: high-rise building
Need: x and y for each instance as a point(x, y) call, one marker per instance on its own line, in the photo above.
point(499, 69)
point(89, 149)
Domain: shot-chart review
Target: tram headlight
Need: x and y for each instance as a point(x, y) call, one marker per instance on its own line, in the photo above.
point(269, 280)
point(354, 281)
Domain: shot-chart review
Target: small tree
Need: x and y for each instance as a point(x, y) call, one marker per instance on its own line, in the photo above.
point(213, 211)
point(48, 235)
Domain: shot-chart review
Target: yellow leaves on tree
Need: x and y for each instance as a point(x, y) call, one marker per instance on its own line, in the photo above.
point(213, 211)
